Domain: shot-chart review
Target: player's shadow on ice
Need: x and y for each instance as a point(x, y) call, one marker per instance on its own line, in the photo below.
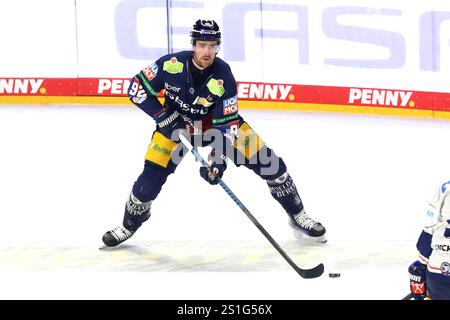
point(214, 256)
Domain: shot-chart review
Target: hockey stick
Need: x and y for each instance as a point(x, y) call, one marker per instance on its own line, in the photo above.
point(304, 273)
point(408, 296)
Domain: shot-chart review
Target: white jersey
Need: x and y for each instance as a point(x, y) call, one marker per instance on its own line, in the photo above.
point(439, 206)
point(434, 245)
point(439, 259)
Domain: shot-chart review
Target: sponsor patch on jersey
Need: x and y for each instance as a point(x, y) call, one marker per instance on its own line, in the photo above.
point(445, 268)
point(417, 288)
point(171, 88)
point(145, 83)
point(160, 150)
point(203, 102)
point(216, 87)
point(150, 71)
point(230, 105)
point(224, 120)
point(441, 247)
point(230, 128)
point(173, 66)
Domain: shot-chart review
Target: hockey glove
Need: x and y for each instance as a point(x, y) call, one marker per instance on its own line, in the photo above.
point(214, 173)
point(417, 280)
point(168, 121)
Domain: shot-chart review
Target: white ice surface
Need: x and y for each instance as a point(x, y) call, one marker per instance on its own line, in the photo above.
point(66, 172)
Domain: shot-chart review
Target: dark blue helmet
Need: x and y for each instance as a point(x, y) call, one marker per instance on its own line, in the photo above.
point(206, 30)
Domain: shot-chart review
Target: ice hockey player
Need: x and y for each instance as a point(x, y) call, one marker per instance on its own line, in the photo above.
point(201, 96)
point(430, 275)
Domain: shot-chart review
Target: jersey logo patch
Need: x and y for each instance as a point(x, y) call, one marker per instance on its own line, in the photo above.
point(230, 105)
point(173, 66)
point(150, 71)
point(418, 288)
point(445, 268)
point(203, 102)
point(216, 87)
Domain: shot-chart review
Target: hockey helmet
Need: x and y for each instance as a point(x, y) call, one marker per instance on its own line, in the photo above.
point(206, 30)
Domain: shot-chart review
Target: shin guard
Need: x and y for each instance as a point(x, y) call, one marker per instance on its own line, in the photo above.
point(136, 213)
point(284, 191)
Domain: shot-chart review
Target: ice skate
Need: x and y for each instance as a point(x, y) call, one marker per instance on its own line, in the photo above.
point(303, 226)
point(136, 213)
point(116, 236)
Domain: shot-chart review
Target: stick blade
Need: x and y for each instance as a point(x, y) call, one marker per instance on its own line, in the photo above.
point(315, 272)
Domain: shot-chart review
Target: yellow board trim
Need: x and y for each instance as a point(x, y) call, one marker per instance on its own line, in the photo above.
point(160, 150)
point(266, 105)
point(243, 104)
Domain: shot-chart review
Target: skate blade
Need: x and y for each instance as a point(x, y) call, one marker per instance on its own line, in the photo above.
point(321, 239)
point(105, 247)
point(302, 236)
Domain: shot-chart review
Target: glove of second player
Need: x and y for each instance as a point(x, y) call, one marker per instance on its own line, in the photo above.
point(417, 282)
point(214, 173)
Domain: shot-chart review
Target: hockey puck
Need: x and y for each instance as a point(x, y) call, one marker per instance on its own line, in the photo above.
point(334, 275)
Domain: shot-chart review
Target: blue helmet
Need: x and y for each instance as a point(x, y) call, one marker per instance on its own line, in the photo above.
point(206, 30)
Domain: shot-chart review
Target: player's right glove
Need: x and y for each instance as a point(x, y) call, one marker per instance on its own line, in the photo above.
point(417, 280)
point(214, 172)
point(168, 121)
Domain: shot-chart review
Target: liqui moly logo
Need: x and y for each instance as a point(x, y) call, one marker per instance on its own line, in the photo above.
point(21, 86)
point(263, 91)
point(395, 98)
point(230, 105)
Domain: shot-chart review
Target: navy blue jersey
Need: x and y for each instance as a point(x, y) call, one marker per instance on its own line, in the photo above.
point(213, 103)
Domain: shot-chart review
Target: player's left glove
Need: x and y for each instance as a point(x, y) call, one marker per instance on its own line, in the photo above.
point(168, 121)
point(417, 280)
point(214, 173)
